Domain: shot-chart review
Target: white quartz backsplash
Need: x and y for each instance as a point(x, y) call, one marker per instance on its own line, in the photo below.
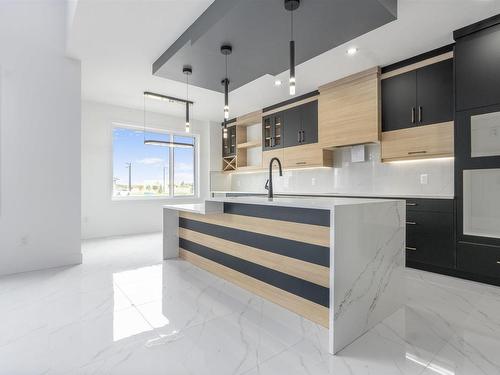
point(432, 177)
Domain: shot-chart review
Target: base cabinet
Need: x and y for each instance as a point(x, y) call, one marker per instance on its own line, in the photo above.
point(430, 233)
point(479, 259)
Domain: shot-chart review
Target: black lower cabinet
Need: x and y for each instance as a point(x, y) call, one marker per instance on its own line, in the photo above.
point(430, 238)
point(481, 260)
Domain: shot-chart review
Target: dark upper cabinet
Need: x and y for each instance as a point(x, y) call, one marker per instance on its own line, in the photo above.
point(229, 143)
point(399, 101)
point(272, 131)
point(293, 129)
point(477, 61)
point(300, 124)
point(419, 97)
point(435, 93)
point(309, 123)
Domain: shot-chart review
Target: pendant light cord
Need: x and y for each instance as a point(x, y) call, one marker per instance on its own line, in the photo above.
point(144, 130)
point(291, 28)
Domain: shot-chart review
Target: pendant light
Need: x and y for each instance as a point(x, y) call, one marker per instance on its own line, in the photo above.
point(226, 50)
point(187, 70)
point(157, 142)
point(224, 131)
point(292, 5)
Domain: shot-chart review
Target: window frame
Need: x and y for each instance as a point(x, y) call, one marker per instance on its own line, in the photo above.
point(171, 172)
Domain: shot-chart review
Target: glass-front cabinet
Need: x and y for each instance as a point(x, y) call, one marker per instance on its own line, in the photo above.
point(229, 141)
point(478, 175)
point(272, 131)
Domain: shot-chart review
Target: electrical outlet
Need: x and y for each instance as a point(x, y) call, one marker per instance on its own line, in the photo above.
point(424, 179)
point(313, 181)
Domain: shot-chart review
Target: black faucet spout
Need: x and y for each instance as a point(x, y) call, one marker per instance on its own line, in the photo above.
point(269, 183)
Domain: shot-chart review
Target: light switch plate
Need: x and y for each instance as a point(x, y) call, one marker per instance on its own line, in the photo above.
point(358, 154)
point(424, 179)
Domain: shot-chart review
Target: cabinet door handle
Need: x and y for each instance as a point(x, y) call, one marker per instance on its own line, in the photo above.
point(420, 114)
point(303, 135)
point(413, 115)
point(301, 162)
point(299, 137)
point(411, 223)
point(411, 248)
point(416, 152)
point(411, 204)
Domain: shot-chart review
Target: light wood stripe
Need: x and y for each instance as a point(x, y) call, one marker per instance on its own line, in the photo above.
point(308, 233)
point(299, 305)
point(420, 64)
point(303, 270)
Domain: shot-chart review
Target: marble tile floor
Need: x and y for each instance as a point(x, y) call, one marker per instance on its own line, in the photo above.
point(124, 311)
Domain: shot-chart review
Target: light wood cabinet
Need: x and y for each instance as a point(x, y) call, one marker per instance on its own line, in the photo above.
point(349, 110)
point(310, 155)
point(420, 142)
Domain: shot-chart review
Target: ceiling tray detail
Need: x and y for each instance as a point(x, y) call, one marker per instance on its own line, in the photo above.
point(259, 31)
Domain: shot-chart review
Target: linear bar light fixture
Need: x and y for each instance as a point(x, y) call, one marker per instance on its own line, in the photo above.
point(157, 142)
point(226, 50)
point(187, 70)
point(292, 5)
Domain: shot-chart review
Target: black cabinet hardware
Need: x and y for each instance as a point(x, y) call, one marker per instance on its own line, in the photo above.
point(416, 152)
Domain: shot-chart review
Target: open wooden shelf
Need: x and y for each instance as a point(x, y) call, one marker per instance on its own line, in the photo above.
point(249, 144)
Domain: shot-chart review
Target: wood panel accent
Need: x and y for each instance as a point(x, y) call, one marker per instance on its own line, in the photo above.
point(312, 234)
point(295, 267)
point(291, 105)
point(299, 305)
point(251, 118)
point(349, 110)
point(420, 142)
point(309, 155)
point(268, 155)
point(249, 144)
point(420, 64)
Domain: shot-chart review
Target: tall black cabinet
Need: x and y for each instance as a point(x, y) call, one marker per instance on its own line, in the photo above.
point(477, 149)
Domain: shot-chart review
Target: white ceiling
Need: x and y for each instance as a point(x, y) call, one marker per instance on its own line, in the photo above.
point(117, 42)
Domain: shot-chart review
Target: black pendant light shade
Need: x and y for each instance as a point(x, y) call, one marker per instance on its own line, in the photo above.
point(187, 70)
point(292, 5)
point(226, 50)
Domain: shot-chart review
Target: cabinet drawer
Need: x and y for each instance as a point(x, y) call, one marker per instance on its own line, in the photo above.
point(430, 238)
point(418, 143)
point(479, 259)
point(430, 205)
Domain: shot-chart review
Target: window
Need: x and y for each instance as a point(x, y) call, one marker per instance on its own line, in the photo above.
point(141, 170)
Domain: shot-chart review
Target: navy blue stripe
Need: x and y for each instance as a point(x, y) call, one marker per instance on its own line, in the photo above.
point(305, 289)
point(294, 249)
point(293, 214)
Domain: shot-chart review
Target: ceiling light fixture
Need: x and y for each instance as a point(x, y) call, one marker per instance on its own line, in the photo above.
point(226, 50)
point(155, 142)
point(352, 51)
point(292, 5)
point(187, 70)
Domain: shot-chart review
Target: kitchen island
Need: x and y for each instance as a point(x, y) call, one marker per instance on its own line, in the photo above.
point(336, 261)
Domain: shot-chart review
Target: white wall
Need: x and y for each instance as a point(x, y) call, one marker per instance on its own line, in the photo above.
point(366, 178)
point(39, 139)
point(102, 216)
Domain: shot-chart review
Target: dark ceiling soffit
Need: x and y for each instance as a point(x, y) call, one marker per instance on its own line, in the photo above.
point(478, 26)
point(215, 12)
point(218, 21)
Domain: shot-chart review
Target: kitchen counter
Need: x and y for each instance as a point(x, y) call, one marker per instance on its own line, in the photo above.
point(338, 262)
point(362, 195)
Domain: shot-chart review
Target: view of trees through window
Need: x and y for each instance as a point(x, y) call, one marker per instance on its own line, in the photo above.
point(141, 170)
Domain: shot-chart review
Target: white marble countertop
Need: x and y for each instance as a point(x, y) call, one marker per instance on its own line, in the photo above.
point(367, 195)
point(197, 208)
point(300, 202)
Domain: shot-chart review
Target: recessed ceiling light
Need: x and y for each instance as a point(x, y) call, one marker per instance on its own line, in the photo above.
point(352, 51)
point(277, 82)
